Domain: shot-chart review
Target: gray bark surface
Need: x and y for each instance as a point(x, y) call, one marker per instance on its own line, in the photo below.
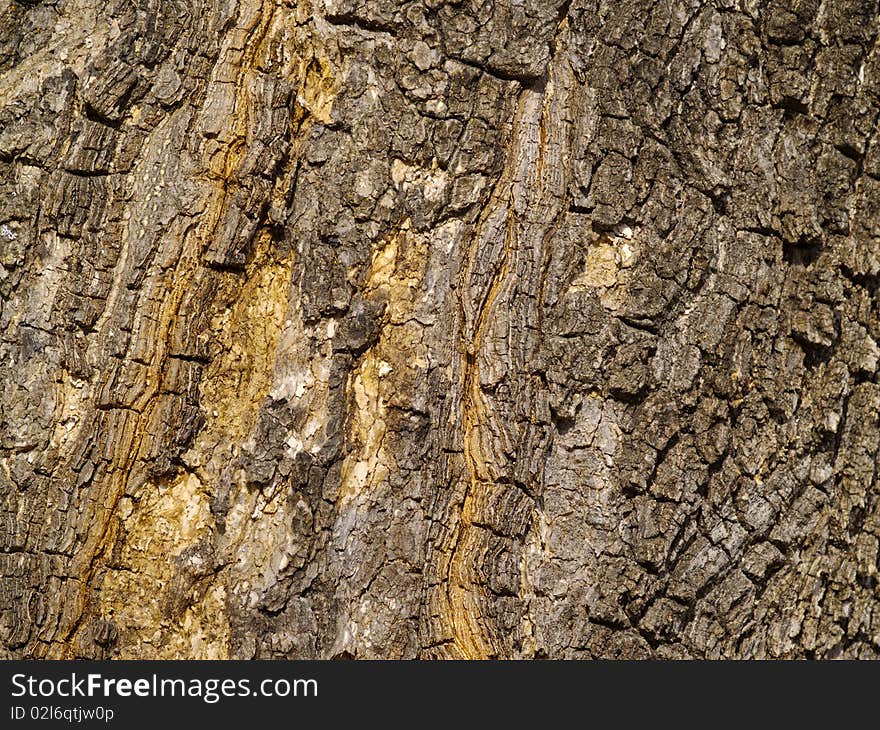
point(439, 329)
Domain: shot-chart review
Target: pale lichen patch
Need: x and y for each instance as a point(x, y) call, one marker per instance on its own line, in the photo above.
point(389, 368)
point(166, 522)
point(239, 377)
point(606, 268)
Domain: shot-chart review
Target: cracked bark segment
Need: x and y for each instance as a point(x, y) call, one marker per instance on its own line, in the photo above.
point(439, 330)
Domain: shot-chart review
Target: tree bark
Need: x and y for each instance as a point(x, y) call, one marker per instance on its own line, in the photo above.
point(422, 329)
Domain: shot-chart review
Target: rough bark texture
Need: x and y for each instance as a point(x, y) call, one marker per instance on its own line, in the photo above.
point(439, 328)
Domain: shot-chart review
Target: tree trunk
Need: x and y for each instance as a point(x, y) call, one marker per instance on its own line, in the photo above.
point(409, 328)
